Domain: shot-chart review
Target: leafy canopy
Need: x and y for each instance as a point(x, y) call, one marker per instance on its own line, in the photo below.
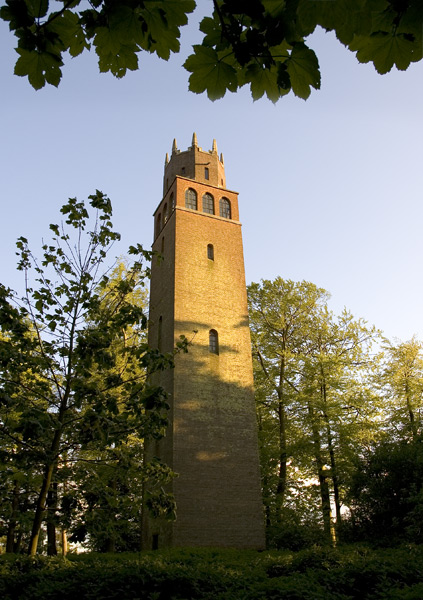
point(260, 43)
point(74, 369)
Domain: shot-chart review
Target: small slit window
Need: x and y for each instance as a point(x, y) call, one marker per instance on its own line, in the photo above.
point(225, 208)
point(213, 342)
point(191, 199)
point(206, 173)
point(158, 224)
point(208, 204)
point(162, 246)
point(210, 252)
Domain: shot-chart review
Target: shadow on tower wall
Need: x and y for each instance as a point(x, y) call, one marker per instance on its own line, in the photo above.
point(211, 444)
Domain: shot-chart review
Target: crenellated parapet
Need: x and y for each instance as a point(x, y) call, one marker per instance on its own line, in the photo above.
point(194, 163)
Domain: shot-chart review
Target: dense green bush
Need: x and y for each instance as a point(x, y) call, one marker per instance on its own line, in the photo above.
point(350, 573)
point(386, 494)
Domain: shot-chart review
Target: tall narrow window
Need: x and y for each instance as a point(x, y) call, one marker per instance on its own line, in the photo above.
point(206, 172)
point(210, 252)
point(225, 208)
point(213, 342)
point(162, 247)
point(158, 224)
point(172, 202)
point(208, 204)
point(165, 215)
point(191, 199)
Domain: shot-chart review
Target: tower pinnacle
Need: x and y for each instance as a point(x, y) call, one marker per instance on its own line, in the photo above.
point(194, 139)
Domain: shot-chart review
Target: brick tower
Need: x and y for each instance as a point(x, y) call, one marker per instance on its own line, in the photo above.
point(199, 285)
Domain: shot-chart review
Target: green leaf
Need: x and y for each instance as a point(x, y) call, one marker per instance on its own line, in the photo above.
point(174, 12)
point(113, 55)
point(163, 36)
point(39, 67)
point(70, 32)
point(213, 38)
point(303, 69)
point(211, 73)
point(263, 80)
point(17, 13)
point(37, 8)
point(126, 24)
point(274, 8)
point(386, 50)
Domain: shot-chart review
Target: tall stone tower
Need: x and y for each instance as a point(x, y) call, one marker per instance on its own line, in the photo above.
point(199, 285)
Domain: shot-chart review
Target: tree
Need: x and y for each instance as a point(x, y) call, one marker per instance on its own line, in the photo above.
point(314, 406)
point(63, 388)
point(260, 43)
point(402, 383)
point(281, 313)
point(337, 362)
point(386, 494)
point(102, 504)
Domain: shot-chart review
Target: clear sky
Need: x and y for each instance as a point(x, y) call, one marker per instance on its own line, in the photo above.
point(330, 189)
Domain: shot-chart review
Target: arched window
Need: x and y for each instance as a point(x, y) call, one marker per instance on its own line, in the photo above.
point(213, 342)
point(158, 224)
point(210, 251)
point(225, 208)
point(191, 199)
point(208, 204)
point(165, 215)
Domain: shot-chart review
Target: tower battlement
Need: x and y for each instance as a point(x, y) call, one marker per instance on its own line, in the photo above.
point(195, 163)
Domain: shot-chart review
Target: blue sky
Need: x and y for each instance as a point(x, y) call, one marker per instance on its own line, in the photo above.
point(330, 189)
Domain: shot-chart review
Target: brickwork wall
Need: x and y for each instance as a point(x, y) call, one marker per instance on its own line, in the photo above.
point(212, 442)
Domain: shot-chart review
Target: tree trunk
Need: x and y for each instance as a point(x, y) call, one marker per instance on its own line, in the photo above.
point(110, 545)
point(18, 542)
point(47, 478)
point(281, 487)
point(51, 521)
point(265, 479)
point(64, 541)
point(413, 426)
point(333, 465)
point(11, 529)
point(323, 483)
point(40, 509)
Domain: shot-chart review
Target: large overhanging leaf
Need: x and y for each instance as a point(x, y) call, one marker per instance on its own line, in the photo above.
point(260, 43)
